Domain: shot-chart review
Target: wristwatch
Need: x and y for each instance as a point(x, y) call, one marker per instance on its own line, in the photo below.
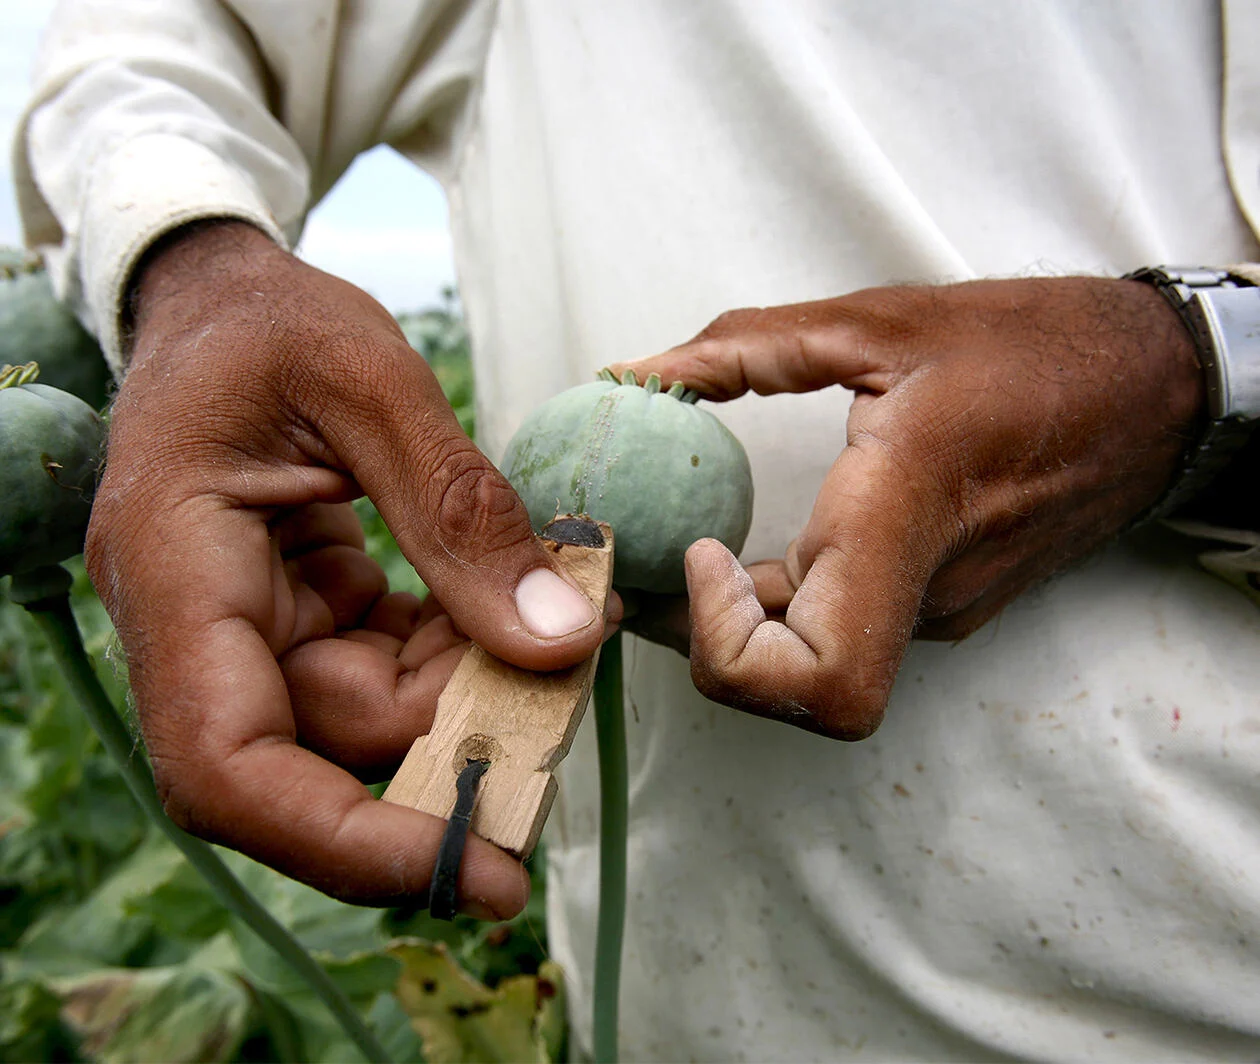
point(1221, 308)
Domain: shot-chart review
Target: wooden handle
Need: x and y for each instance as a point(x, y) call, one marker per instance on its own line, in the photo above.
point(522, 722)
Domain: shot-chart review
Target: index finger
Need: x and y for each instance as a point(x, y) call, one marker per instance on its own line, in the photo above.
point(799, 347)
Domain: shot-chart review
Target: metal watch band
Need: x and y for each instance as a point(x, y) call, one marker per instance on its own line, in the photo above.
point(1222, 312)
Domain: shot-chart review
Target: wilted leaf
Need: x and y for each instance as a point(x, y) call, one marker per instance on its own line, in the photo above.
point(489, 952)
point(462, 1021)
point(157, 1014)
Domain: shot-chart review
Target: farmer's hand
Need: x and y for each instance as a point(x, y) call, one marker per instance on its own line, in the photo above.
point(1001, 430)
point(263, 395)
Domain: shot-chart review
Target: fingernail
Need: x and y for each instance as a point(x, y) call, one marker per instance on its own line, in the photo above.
point(550, 607)
point(792, 564)
point(478, 909)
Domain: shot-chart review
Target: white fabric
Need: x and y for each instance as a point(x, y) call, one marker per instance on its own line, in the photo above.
point(1051, 849)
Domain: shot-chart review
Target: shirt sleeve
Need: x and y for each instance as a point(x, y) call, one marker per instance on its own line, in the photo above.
point(145, 116)
point(148, 114)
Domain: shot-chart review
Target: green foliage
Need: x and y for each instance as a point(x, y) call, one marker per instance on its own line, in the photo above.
point(113, 949)
point(380, 544)
point(66, 819)
point(440, 336)
point(178, 1013)
point(30, 1022)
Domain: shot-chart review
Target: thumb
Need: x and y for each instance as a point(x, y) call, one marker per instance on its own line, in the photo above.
point(455, 516)
point(862, 564)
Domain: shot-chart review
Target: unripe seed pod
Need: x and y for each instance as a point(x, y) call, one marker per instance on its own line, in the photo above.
point(658, 468)
point(50, 446)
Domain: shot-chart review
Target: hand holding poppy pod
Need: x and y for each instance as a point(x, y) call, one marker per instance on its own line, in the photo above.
point(1001, 431)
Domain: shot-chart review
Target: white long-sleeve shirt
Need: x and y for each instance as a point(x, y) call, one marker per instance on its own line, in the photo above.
point(1051, 848)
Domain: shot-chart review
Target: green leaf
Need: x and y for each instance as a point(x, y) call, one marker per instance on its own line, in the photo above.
point(86, 887)
point(322, 924)
point(382, 548)
point(181, 905)
point(279, 1035)
point(391, 1024)
point(365, 975)
point(100, 931)
point(368, 980)
point(36, 872)
point(30, 1023)
point(102, 812)
point(66, 819)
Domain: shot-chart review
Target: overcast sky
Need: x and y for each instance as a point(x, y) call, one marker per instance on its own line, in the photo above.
point(383, 226)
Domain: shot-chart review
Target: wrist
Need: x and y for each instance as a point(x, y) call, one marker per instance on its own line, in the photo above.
point(1180, 370)
point(1220, 313)
point(194, 267)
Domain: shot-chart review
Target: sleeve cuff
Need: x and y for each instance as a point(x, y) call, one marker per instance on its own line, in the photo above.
point(147, 187)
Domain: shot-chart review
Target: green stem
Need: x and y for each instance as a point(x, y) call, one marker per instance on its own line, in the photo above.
point(56, 621)
point(614, 802)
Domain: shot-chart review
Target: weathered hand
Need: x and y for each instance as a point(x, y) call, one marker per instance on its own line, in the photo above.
point(263, 649)
point(1001, 430)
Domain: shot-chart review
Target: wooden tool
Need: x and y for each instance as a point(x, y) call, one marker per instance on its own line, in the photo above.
point(521, 722)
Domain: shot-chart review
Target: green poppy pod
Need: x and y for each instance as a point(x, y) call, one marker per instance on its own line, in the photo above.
point(661, 470)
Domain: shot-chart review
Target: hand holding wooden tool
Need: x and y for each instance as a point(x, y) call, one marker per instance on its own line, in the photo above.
point(522, 723)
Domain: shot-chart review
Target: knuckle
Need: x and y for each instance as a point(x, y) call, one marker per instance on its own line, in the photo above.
point(852, 695)
point(858, 716)
point(715, 683)
point(713, 365)
point(949, 594)
point(847, 717)
point(472, 503)
point(730, 321)
point(177, 794)
point(708, 368)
